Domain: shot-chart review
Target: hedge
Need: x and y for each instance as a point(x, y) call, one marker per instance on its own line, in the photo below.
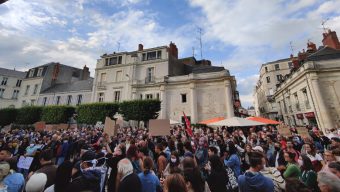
point(140, 110)
point(57, 114)
point(94, 112)
point(7, 116)
point(29, 115)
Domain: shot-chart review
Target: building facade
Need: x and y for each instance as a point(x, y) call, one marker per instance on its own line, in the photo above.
point(271, 74)
point(186, 85)
point(10, 87)
point(55, 84)
point(310, 94)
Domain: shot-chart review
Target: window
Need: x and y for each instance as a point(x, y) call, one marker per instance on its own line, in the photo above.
point(18, 83)
point(184, 98)
point(69, 99)
point(23, 104)
point(157, 96)
point(119, 76)
point(27, 89)
point(290, 65)
point(15, 94)
point(141, 96)
point(150, 74)
point(79, 99)
point(4, 81)
point(277, 67)
point(279, 77)
point(35, 89)
point(114, 60)
point(151, 55)
point(2, 92)
point(268, 79)
point(297, 104)
point(31, 73)
point(102, 78)
point(33, 102)
point(44, 101)
point(271, 92)
point(58, 100)
point(305, 97)
point(148, 96)
point(40, 70)
point(266, 69)
point(101, 97)
point(117, 96)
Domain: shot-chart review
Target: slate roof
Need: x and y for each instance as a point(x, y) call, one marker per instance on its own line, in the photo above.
point(324, 53)
point(12, 73)
point(83, 85)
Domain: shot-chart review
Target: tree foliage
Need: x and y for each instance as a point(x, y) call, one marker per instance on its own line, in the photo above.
point(140, 110)
point(7, 116)
point(94, 112)
point(28, 115)
point(57, 114)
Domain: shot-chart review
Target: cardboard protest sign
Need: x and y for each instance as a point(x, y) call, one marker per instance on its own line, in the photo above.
point(25, 162)
point(63, 126)
point(39, 126)
point(109, 126)
point(159, 127)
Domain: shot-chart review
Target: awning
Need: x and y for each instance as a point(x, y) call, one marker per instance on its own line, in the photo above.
point(264, 120)
point(173, 122)
point(213, 120)
point(236, 122)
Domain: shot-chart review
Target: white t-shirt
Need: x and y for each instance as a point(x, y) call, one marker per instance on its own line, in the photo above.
point(317, 157)
point(49, 189)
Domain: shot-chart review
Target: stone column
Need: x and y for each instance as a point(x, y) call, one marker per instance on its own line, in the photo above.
point(229, 99)
point(163, 114)
point(321, 111)
point(193, 103)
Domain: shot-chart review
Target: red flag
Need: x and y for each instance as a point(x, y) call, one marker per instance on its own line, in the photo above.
point(188, 125)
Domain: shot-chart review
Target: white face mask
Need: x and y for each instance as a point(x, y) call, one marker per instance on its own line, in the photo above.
point(31, 145)
point(173, 160)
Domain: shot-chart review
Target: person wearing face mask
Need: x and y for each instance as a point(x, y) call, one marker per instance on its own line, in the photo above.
point(201, 153)
point(277, 159)
point(290, 148)
point(252, 180)
point(172, 166)
point(90, 178)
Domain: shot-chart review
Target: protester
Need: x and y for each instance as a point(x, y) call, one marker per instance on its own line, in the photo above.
point(36, 183)
point(175, 183)
point(150, 182)
point(233, 160)
point(128, 180)
point(217, 175)
point(295, 185)
point(328, 182)
point(253, 180)
point(4, 171)
point(173, 165)
point(308, 176)
point(62, 179)
point(334, 167)
point(292, 169)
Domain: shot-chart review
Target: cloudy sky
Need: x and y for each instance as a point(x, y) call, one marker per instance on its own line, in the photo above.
point(237, 34)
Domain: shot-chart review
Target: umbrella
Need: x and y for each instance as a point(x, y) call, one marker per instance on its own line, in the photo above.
point(213, 120)
point(264, 120)
point(236, 122)
point(173, 122)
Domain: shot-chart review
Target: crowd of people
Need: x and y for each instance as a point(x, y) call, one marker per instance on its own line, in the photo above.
point(224, 159)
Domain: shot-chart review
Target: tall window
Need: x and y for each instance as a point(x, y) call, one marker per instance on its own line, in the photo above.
point(27, 89)
point(4, 81)
point(69, 99)
point(40, 70)
point(79, 99)
point(268, 79)
point(101, 97)
point(150, 74)
point(44, 101)
point(58, 100)
point(297, 104)
point(15, 94)
point(102, 78)
point(305, 97)
point(279, 77)
point(117, 96)
point(266, 69)
point(277, 67)
point(31, 73)
point(18, 82)
point(32, 102)
point(141, 96)
point(23, 104)
point(35, 89)
point(184, 98)
point(148, 96)
point(118, 76)
point(157, 96)
point(2, 92)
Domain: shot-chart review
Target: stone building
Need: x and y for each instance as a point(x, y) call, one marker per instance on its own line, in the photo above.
point(271, 74)
point(56, 84)
point(10, 85)
point(310, 94)
point(195, 87)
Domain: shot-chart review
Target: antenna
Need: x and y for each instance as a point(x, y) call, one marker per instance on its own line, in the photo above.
point(193, 51)
point(118, 45)
point(291, 47)
point(323, 24)
point(200, 39)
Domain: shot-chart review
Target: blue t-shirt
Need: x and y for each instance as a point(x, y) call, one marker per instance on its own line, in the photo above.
point(234, 163)
point(149, 182)
point(15, 182)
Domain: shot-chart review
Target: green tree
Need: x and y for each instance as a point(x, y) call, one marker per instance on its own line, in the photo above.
point(7, 116)
point(57, 114)
point(28, 115)
point(94, 112)
point(140, 110)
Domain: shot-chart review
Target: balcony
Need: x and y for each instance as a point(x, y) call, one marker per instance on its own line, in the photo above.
point(101, 85)
point(150, 80)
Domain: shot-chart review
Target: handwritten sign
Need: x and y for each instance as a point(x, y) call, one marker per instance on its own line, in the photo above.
point(25, 162)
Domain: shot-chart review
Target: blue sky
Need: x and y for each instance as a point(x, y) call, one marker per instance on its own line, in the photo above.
point(239, 35)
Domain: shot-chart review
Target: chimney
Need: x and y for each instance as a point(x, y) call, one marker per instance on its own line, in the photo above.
point(311, 47)
point(330, 39)
point(140, 47)
point(85, 73)
point(173, 51)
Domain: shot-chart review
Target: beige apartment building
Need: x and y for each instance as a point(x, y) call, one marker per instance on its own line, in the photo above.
point(195, 87)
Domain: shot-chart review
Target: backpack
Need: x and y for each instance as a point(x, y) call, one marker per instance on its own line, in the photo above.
point(232, 180)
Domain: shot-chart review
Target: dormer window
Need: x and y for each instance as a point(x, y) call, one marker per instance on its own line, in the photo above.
point(31, 73)
point(152, 55)
point(113, 60)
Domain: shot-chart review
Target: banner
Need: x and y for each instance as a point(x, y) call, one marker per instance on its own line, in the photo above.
point(188, 125)
point(159, 127)
point(109, 126)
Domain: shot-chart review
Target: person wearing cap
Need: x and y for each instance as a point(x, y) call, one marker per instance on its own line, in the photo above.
point(89, 178)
